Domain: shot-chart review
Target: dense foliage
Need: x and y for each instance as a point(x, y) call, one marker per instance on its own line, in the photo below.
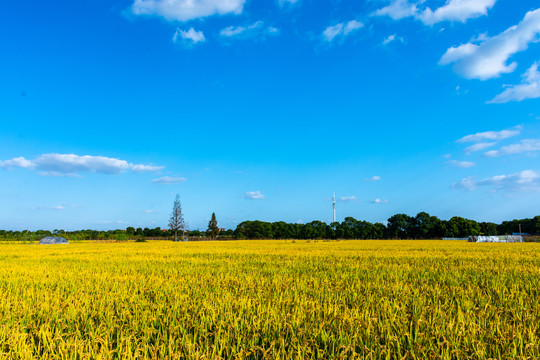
point(399, 226)
point(270, 300)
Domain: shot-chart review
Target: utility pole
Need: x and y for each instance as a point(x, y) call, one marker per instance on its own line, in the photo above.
point(519, 229)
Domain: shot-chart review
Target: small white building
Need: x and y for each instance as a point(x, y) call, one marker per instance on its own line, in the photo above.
point(497, 238)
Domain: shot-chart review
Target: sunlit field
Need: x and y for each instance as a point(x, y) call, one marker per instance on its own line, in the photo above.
point(270, 299)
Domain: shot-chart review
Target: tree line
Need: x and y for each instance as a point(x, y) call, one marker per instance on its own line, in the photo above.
point(399, 226)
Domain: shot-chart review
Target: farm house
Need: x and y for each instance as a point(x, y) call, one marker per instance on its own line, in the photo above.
point(498, 238)
point(51, 240)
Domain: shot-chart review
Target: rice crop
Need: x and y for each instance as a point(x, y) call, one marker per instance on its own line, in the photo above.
point(270, 300)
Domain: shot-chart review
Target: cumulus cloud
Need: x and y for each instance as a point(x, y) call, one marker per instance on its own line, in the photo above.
point(341, 29)
point(373, 178)
point(452, 10)
point(525, 146)
point(379, 201)
point(72, 165)
point(184, 10)
point(168, 180)
point(527, 180)
point(257, 29)
point(392, 38)
point(491, 135)
point(457, 10)
point(253, 195)
point(478, 147)
point(489, 58)
point(190, 36)
point(461, 164)
point(398, 9)
point(528, 89)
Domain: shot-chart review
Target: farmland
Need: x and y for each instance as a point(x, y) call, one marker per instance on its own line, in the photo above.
point(270, 299)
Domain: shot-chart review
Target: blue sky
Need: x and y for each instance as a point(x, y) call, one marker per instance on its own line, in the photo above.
point(263, 109)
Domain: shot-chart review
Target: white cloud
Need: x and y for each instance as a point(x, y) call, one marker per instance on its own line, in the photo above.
point(184, 10)
point(392, 38)
point(525, 146)
point(373, 178)
point(398, 9)
point(528, 89)
point(348, 199)
point(257, 29)
point(341, 29)
point(491, 135)
point(56, 207)
point(144, 168)
point(71, 165)
point(478, 147)
point(150, 211)
point(457, 10)
point(453, 10)
point(461, 164)
point(59, 174)
point(379, 201)
point(467, 183)
point(169, 180)
point(488, 59)
point(253, 195)
point(190, 36)
point(526, 180)
point(17, 162)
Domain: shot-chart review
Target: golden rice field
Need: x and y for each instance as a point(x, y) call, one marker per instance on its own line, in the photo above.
point(270, 300)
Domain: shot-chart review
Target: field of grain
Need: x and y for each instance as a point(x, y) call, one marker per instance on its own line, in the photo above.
point(270, 299)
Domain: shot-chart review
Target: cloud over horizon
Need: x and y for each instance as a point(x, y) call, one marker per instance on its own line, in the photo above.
point(351, 198)
point(71, 165)
point(526, 180)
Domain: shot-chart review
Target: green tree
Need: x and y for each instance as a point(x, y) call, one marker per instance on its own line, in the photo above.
point(176, 222)
point(213, 229)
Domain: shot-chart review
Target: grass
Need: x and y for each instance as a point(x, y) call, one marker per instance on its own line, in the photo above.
point(270, 299)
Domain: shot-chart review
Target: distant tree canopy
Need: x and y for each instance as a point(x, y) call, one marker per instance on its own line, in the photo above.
point(399, 226)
